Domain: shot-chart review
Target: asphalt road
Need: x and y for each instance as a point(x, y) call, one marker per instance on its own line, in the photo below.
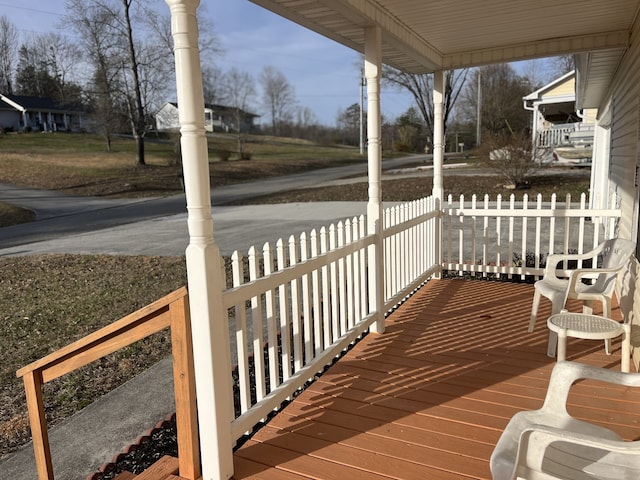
point(158, 226)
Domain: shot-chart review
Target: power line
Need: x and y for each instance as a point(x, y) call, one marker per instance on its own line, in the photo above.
point(27, 9)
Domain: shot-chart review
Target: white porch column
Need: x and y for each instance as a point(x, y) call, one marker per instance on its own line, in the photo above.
point(438, 133)
point(204, 269)
point(373, 72)
point(438, 154)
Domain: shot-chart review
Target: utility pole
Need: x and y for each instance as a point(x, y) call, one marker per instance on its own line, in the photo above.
point(479, 112)
point(362, 85)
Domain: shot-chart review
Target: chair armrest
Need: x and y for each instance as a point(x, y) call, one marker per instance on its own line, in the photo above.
point(576, 275)
point(535, 439)
point(566, 373)
point(548, 434)
point(556, 258)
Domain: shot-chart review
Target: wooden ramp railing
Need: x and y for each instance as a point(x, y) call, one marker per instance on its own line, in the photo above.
point(170, 311)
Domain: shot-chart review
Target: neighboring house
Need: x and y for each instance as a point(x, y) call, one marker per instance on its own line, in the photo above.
point(557, 125)
point(217, 118)
point(20, 112)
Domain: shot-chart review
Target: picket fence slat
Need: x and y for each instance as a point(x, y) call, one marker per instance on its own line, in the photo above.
point(283, 310)
point(258, 339)
point(296, 316)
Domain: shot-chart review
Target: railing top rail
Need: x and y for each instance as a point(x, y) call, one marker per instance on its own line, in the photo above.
point(534, 212)
point(233, 296)
point(156, 309)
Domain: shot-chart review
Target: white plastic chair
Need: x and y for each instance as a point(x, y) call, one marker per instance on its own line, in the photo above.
point(550, 444)
point(615, 257)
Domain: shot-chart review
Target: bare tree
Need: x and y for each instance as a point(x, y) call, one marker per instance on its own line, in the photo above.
point(348, 123)
point(118, 19)
point(64, 58)
point(8, 53)
point(160, 24)
point(278, 97)
point(501, 106)
point(534, 73)
point(420, 86)
point(131, 48)
point(102, 48)
point(212, 84)
point(239, 91)
point(562, 64)
point(134, 103)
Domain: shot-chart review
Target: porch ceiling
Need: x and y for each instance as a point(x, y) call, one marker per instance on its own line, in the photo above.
point(424, 36)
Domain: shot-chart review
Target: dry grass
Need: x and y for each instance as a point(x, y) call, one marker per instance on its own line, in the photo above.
point(51, 300)
point(407, 189)
point(79, 165)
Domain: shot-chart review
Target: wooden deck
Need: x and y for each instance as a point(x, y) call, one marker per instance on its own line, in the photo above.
point(429, 398)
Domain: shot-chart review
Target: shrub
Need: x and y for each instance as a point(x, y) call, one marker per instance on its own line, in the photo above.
point(224, 155)
point(514, 157)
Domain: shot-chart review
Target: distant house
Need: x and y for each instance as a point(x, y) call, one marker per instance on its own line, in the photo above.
point(20, 112)
point(217, 118)
point(558, 125)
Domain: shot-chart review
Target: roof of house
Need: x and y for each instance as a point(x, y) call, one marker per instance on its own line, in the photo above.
point(555, 100)
point(548, 88)
point(218, 108)
point(29, 103)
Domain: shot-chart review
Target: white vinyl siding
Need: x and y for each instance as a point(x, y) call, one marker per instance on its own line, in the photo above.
point(624, 137)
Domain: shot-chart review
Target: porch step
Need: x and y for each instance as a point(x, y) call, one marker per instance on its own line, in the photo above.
point(125, 476)
point(164, 469)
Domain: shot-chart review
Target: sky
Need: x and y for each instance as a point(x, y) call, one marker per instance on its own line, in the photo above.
point(324, 74)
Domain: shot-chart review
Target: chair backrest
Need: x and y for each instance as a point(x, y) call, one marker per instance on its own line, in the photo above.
point(615, 252)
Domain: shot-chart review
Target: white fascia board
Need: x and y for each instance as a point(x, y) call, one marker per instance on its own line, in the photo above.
point(15, 105)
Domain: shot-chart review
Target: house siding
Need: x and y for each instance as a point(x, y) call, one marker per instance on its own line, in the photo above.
point(566, 88)
point(625, 137)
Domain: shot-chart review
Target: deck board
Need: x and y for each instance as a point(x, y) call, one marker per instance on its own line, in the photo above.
point(429, 398)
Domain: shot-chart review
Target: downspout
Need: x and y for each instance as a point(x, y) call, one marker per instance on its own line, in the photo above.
point(536, 114)
point(205, 276)
point(372, 72)
point(438, 158)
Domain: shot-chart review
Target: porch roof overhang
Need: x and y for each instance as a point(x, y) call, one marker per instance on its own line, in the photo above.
point(423, 37)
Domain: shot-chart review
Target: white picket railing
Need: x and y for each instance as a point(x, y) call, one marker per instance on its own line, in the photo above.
point(553, 137)
point(295, 307)
point(410, 249)
point(513, 238)
point(298, 306)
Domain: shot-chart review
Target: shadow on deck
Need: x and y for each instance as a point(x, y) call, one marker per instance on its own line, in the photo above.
point(429, 398)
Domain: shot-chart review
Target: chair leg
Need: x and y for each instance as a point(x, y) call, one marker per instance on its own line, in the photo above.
point(551, 346)
point(606, 312)
point(626, 348)
point(587, 307)
point(534, 310)
point(562, 345)
point(606, 307)
point(556, 307)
